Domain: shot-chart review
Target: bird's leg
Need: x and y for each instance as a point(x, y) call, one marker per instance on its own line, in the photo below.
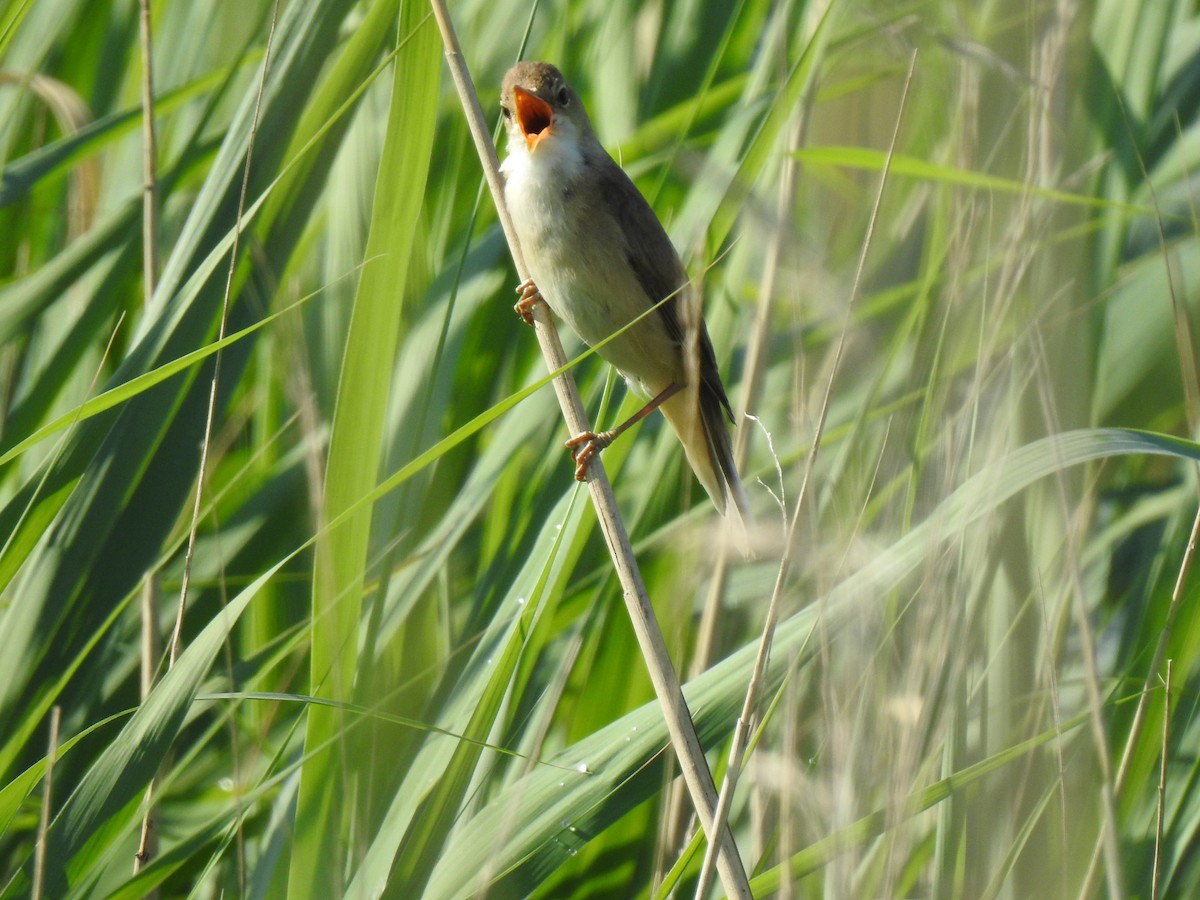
point(530, 295)
point(586, 445)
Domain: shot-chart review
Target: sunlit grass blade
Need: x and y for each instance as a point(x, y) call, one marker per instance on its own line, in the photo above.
point(355, 448)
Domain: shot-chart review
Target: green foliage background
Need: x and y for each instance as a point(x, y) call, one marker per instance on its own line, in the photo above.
point(405, 666)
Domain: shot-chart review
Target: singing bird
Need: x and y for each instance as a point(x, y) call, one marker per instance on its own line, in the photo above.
point(599, 258)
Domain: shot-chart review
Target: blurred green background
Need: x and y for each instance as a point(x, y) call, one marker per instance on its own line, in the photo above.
point(405, 668)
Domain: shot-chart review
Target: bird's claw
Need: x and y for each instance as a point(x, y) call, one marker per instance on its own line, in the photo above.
point(530, 296)
point(584, 447)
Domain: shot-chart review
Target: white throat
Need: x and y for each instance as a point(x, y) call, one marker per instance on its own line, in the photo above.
point(557, 160)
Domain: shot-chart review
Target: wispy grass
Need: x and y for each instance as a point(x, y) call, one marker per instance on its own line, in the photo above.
point(990, 577)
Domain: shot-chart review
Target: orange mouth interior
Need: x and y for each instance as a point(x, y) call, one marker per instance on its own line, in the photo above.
point(534, 116)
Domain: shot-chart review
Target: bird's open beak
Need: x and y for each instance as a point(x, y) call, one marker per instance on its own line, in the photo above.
point(534, 117)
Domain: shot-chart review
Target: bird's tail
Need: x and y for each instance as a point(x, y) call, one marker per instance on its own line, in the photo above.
point(698, 417)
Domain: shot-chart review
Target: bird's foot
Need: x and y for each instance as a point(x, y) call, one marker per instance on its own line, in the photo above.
point(530, 296)
point(585, 446)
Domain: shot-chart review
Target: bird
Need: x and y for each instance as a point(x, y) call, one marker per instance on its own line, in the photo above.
point(598, 256)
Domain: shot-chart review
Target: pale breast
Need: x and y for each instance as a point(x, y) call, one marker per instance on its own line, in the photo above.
point(576, 255)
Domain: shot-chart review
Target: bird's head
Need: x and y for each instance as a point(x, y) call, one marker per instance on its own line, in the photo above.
point(541, 111)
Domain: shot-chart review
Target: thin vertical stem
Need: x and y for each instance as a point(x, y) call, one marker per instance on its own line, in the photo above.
point(1162, 783)
point(185, 581)
point(39, 854)
point(150, 642)
point(649, 636)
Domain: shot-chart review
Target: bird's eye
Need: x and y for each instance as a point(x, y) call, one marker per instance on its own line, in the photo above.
point(507, 112)
point(564, 96)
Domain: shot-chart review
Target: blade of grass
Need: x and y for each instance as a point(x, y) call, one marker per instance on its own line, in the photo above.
point(355, 451)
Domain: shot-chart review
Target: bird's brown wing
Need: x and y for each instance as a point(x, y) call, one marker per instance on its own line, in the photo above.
point(661, 274)
point(647, 248)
